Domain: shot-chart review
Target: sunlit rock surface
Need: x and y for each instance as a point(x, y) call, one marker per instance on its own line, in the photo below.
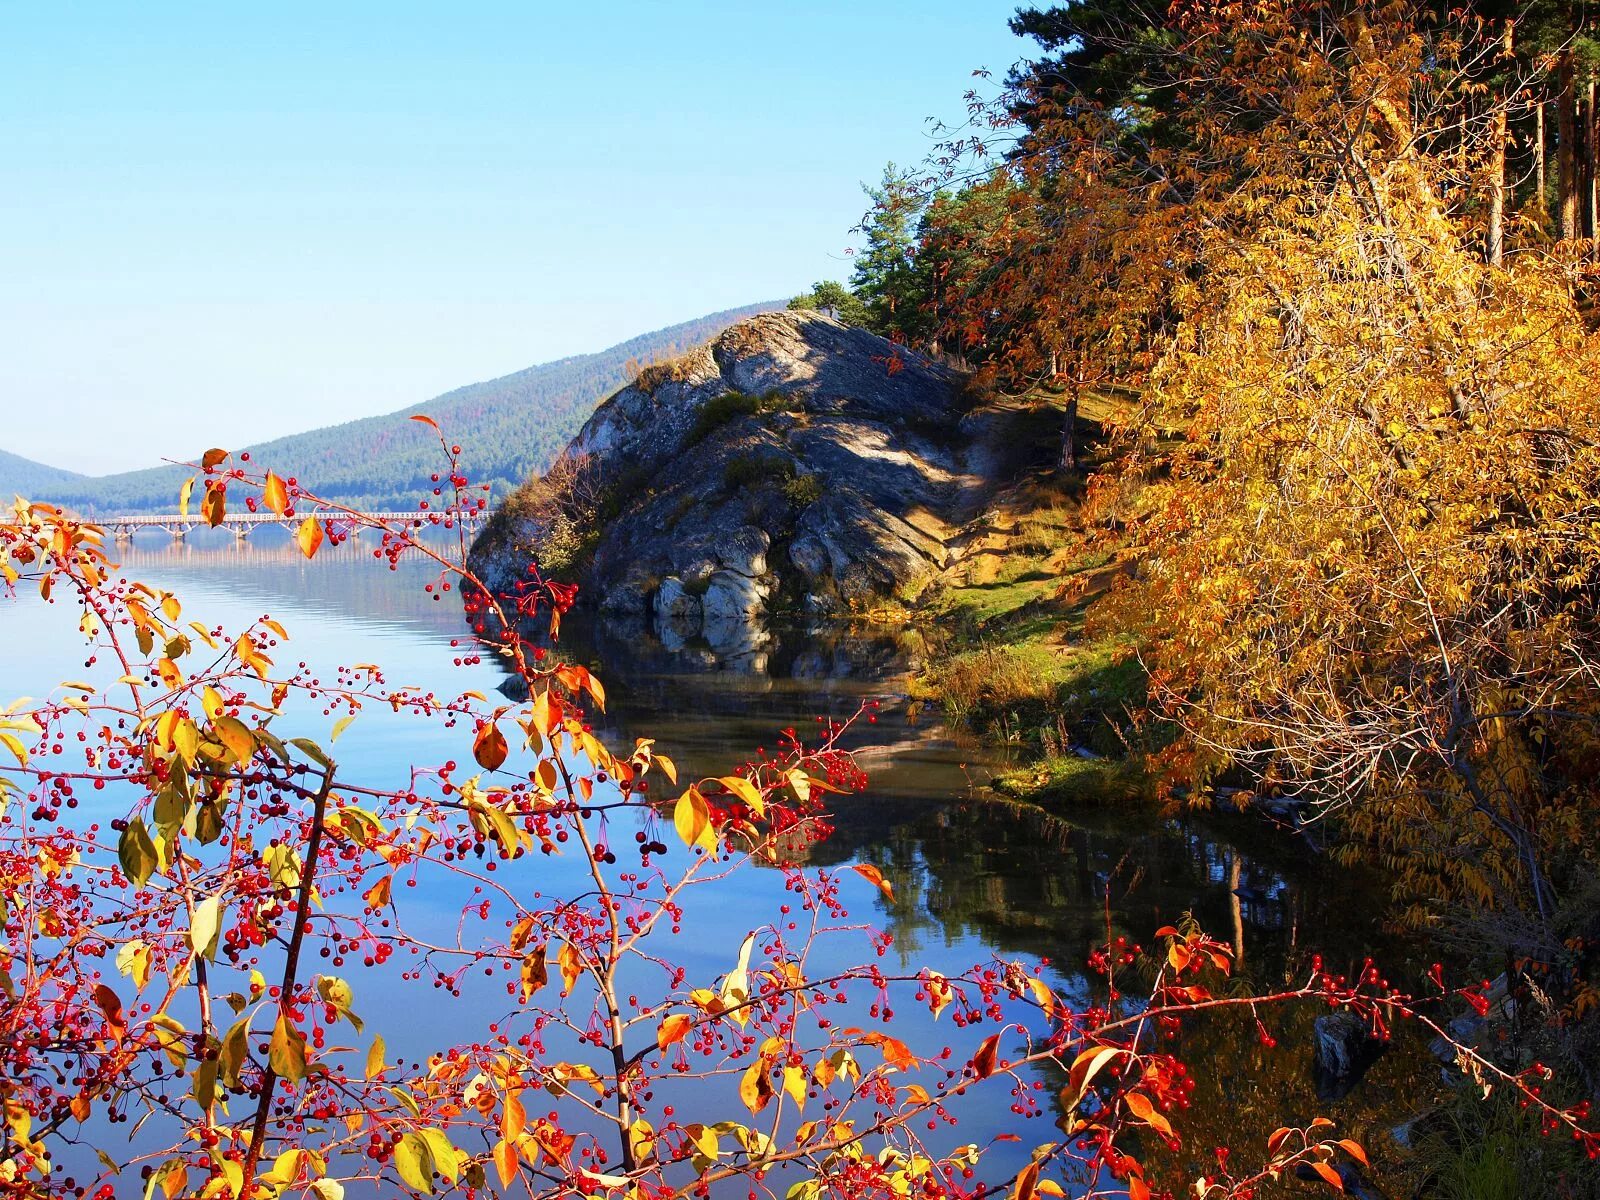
point(793, 464)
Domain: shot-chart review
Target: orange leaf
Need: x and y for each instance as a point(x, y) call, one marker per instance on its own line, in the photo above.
point(875, 877)
point(983, 1062)
point(571, 966)
point(212, 457)
point(1329, 1175)
point(1140, 1106)
point(309, 536)
point(489, 747)
point(275, 494)
point(428, 421)
point(897, 1054)
point(515, 1118)
point(505, 1162)
point(673, 1030)
point(214, 505)
point(1354, 1150)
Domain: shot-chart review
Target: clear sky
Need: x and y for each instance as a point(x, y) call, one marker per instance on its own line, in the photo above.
point(221, 222)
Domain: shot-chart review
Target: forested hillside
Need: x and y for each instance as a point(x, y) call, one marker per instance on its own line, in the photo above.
point(26, 477)
point(513, 425)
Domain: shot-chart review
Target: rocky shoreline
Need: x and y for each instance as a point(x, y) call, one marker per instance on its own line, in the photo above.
point(792, 467)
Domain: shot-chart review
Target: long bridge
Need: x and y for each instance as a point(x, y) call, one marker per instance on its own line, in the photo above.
point(241, 524)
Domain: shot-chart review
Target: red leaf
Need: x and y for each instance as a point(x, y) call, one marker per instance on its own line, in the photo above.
point(983, 1062)
point(1329, 1175)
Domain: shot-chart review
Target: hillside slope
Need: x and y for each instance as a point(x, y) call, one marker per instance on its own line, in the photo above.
point(509, 426)
point(24, 477)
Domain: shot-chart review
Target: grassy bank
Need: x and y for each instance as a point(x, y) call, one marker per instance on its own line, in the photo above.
point(1015, 656)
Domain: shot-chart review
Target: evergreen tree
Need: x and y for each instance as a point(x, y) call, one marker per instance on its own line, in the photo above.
point(837, 301)
point(887, 278)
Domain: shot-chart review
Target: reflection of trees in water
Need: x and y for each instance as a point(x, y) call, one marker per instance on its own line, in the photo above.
point(965, 863)
point(1035, 883)
point(1040, 883)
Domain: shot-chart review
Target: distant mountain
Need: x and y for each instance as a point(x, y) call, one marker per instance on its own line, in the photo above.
point(509, 428)
point(24, 477)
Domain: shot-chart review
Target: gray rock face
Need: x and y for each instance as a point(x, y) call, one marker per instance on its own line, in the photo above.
point(791, 463)
point(676, 606)
point(1343, 1049)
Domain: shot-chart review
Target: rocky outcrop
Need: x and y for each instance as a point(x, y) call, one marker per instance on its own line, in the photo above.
point(792, 463)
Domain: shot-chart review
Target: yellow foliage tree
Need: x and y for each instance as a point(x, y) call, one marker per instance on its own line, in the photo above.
point(1369, 574)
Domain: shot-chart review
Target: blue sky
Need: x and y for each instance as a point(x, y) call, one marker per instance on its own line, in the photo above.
point(220, 223)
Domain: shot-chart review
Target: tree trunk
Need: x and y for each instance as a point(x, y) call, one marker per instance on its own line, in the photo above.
point(1497, 168)
point(1069, 435)
point(1586, 170)
point(1237, 907)
point(1592, 130)
point(1567, 144)
point(1538, 161)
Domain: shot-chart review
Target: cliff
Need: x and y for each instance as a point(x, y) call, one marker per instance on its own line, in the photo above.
point(790, 464)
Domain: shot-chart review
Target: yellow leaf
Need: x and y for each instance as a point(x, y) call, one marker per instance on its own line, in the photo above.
point(746, 791)
point(755, 1088)
point(691, 817)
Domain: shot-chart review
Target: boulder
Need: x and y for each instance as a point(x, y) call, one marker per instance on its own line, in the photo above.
point(792, 462)
point(1343, 1051)
point(676, 607)
point(733, 598)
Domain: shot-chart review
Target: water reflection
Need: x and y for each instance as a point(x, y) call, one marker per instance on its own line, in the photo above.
point(973, 874)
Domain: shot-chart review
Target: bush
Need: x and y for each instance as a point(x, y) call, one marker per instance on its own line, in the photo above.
point(672, 370)
point(729, 407)
point(748, 469)
point(803, 490)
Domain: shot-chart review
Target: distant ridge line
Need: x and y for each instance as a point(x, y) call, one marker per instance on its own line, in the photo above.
point(510, 427)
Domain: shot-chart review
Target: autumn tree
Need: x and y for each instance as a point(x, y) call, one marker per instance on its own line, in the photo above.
point(1366, 574)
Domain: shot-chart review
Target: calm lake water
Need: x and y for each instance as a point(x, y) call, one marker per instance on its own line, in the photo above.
point(975, 876)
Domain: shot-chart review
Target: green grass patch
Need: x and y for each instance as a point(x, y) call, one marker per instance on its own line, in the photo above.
point(1077, 780)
